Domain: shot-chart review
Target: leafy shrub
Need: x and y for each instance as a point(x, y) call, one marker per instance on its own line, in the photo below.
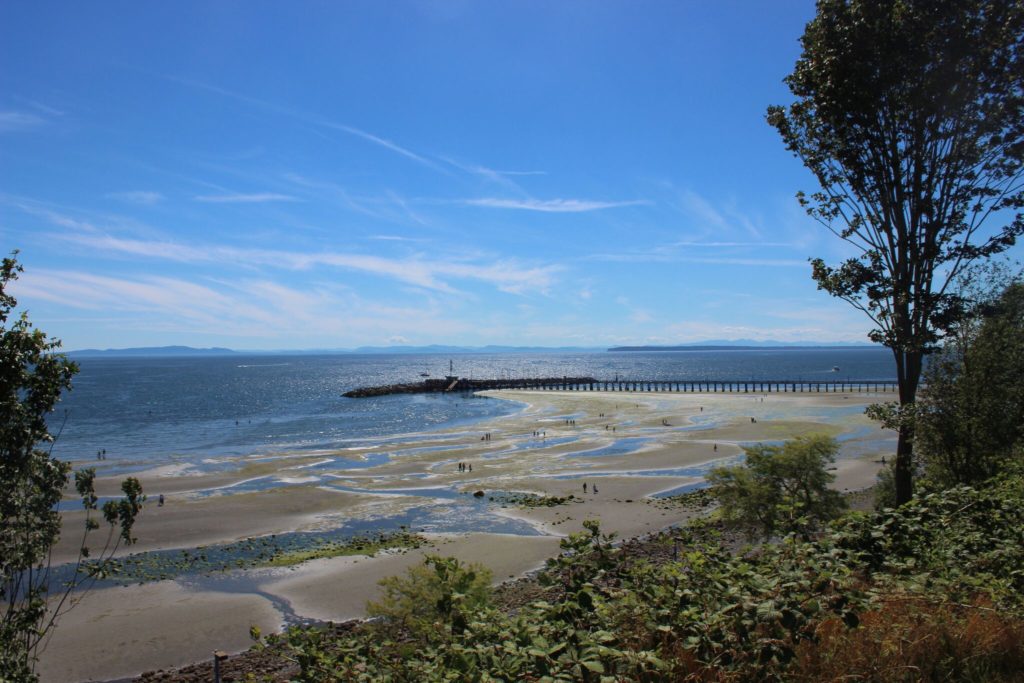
point(933, 590)
point(432, 600)
point(780, 488)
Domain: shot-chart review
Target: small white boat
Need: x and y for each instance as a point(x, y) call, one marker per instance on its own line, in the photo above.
point(835, 368)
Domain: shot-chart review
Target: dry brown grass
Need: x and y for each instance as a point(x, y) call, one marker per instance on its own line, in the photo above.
point(913, 639)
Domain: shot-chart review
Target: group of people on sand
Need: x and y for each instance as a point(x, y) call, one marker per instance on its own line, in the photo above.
point(486, 437)
point(465, 467)
point(592, 488)
point(101, 454)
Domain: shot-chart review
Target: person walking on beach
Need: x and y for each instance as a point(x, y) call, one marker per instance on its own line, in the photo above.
point(584, 487)
point(595, 488)
point(160, 501)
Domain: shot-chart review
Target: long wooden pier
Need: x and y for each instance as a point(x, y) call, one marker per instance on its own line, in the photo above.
point(726, 387)
point(686, 386)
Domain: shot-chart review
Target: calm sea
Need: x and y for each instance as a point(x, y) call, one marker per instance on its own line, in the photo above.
point(146, 411)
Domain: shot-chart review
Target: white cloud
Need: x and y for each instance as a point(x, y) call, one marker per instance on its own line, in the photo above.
point(397, 238)
point(256, 198)
point(640, 316)
point(690, 331)
point(726, 261)
point(11, 120)
point(729, 245)
point(143, 197)
point(711, 219)
point(312, 119)
point(259, 309)
point(506, 275)
point(45, 108)
point(703, 211)
point(551, 205)
point(382, 142)
point(500, 177)
point(665, 256)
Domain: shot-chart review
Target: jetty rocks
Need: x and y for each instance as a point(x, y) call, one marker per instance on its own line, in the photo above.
point(449, 384)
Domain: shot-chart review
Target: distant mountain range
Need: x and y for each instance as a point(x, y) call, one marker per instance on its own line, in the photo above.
point(438, 348)
point(714, 345)
point(150, 351)
point(746, 344)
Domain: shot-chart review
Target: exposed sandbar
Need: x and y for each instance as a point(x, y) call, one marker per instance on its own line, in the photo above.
point(631, 445)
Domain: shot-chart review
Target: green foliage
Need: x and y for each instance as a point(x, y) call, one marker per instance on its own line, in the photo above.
point(32, 377)
point(956, 543)
point(971, 415)
point(431, 601)
point(714, 615)
point(908, 113)
point(355, 546)
point(885, 488)
point(531, 500)
point(780, 489)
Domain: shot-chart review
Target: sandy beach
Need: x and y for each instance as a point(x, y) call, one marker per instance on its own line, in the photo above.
point(626, 446)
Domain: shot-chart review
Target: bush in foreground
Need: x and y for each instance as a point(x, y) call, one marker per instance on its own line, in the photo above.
point(942, 599)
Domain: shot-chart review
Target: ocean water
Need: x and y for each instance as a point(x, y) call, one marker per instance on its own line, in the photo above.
point(146, 411)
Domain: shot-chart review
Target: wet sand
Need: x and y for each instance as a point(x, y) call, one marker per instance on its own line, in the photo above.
point(632, 445)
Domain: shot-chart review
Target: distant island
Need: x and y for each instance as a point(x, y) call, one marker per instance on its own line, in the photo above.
point(180, 351)
point(742, 347)
point(153, 351)
point(441, 349)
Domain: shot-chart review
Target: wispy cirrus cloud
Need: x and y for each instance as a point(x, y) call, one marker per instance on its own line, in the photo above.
point(13, 120)
point(697, 330)
point(722, 218)
point(551, 205)
point(256, 198)
point(729, 245)
point(507, 275)
point(142, 197)
point(311, 119)
point(494, 175)
point(666, 256)
point(254, 308)
point(377, 140)
point(39, 106)
point(396, 238)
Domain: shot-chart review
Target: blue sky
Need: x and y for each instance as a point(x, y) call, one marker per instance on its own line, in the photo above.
point(268, 175)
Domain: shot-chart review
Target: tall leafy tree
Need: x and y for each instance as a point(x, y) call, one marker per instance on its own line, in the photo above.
point(910, 114)
point(32, 377)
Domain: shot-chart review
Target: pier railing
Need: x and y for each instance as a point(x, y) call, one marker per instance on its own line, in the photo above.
point(797, 386)
point(723, 386)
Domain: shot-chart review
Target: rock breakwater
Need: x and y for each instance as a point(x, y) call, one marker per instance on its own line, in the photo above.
point(463, 384)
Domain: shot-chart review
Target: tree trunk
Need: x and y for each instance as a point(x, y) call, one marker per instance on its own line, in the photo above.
point(908, 369)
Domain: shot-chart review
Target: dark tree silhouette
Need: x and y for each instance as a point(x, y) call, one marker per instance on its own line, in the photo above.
point(910, 113)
